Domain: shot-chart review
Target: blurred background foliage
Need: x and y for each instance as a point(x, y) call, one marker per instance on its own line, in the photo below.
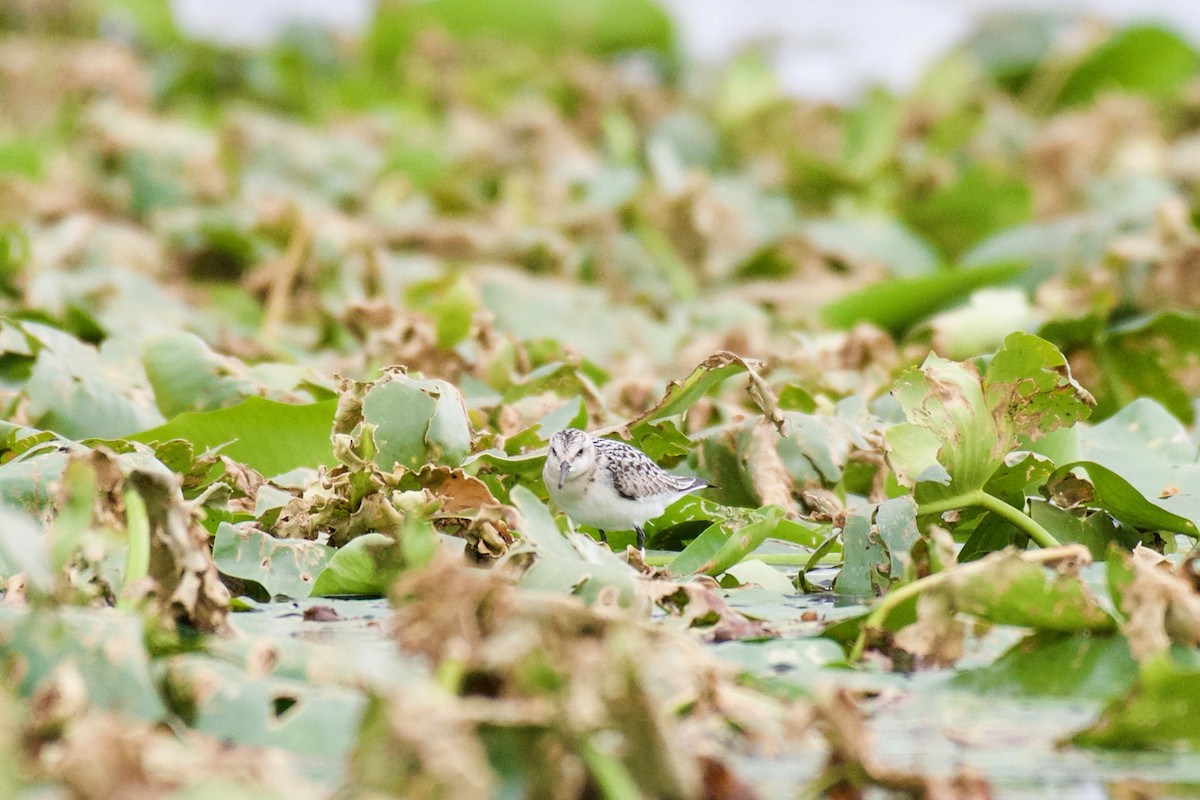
point(564, 140)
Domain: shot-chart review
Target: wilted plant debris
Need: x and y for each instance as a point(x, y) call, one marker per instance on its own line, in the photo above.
point(284, 333)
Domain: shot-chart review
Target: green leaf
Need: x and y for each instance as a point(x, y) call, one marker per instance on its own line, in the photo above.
point(22, 549)
point(105, 646)
point(1050, 664)
point(307, 719)
point(270, 437)
point(1147, 357)
point(944, 404)
point(1030, 391)
point(572, 564)
point(899, 303)
point(967, 426)
point(1008, 590)
point(979, 203)
point(1120, 498)
point(188, 376)
point(286, 567)
point(748, 87)
point(757, 573)
point(1145, 60)
point(605, 26)
point(871, 133)
point(24, 157)
point(452, 302)
point(683, 394)
point(80, 391)
point(366, 565)
point(867, 566)
point(878, 239)
point(1096, 531)
point(26, 482)
point(896, 521)
point(724, 544)
point(1161, 711)
point(417, 422)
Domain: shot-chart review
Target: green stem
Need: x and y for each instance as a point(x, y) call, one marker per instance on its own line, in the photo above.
point(980, 498)
point(774, 559)
point(137, 530)
point(888, 603)
point(892, 600)
point(612, 776)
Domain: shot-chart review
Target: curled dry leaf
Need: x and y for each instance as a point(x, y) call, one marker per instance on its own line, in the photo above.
point(697, 605)
point(562, 676)
point(101, 756)
point(1161, 607)
point(188, 587)
point(1007, 588)
point(466, 507)
point(772, 483)
point(357, 497)
point(185, 585)
point(936, 638)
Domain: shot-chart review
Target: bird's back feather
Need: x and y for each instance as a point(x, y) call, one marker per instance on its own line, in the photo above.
point(635, 476)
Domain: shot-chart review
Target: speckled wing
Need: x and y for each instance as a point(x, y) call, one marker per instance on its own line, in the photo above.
point(635, 475)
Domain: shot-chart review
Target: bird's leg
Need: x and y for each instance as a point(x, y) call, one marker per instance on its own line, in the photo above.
point(604, 537)
point(641, 539)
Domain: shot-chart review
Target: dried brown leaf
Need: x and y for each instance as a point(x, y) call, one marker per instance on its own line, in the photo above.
point(936, 638)
point(1161, 607)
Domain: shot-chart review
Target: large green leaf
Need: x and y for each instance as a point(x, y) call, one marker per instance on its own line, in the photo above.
point(1147, 60)
point(1145, 467)
point(286, 567)
point(899, 303)
point(570, 563)
point(1161, 711)
point(960, 427)
point(81, 391)
point(1008, 590)
point(188, 376)
point(368, 563)
point(265, 435)
point(949, 425)
point(724, 544)
point(314, 721)
point(417, 422)
point(1148, 356)
point(104, 646)
point(1058, 665)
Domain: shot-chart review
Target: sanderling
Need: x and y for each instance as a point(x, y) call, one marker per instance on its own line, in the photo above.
point(610, 485)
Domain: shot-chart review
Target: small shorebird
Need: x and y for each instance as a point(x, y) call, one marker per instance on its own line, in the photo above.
point(610, 485)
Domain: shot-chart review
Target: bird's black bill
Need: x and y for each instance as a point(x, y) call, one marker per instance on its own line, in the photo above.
point(562, 473)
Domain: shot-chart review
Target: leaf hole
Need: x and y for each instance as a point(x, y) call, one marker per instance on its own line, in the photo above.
point(281, 704)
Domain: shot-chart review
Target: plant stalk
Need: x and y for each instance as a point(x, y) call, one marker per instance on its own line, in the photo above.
point(979, 497)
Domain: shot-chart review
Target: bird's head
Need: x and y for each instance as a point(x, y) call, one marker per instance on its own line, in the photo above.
point(571, 455)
